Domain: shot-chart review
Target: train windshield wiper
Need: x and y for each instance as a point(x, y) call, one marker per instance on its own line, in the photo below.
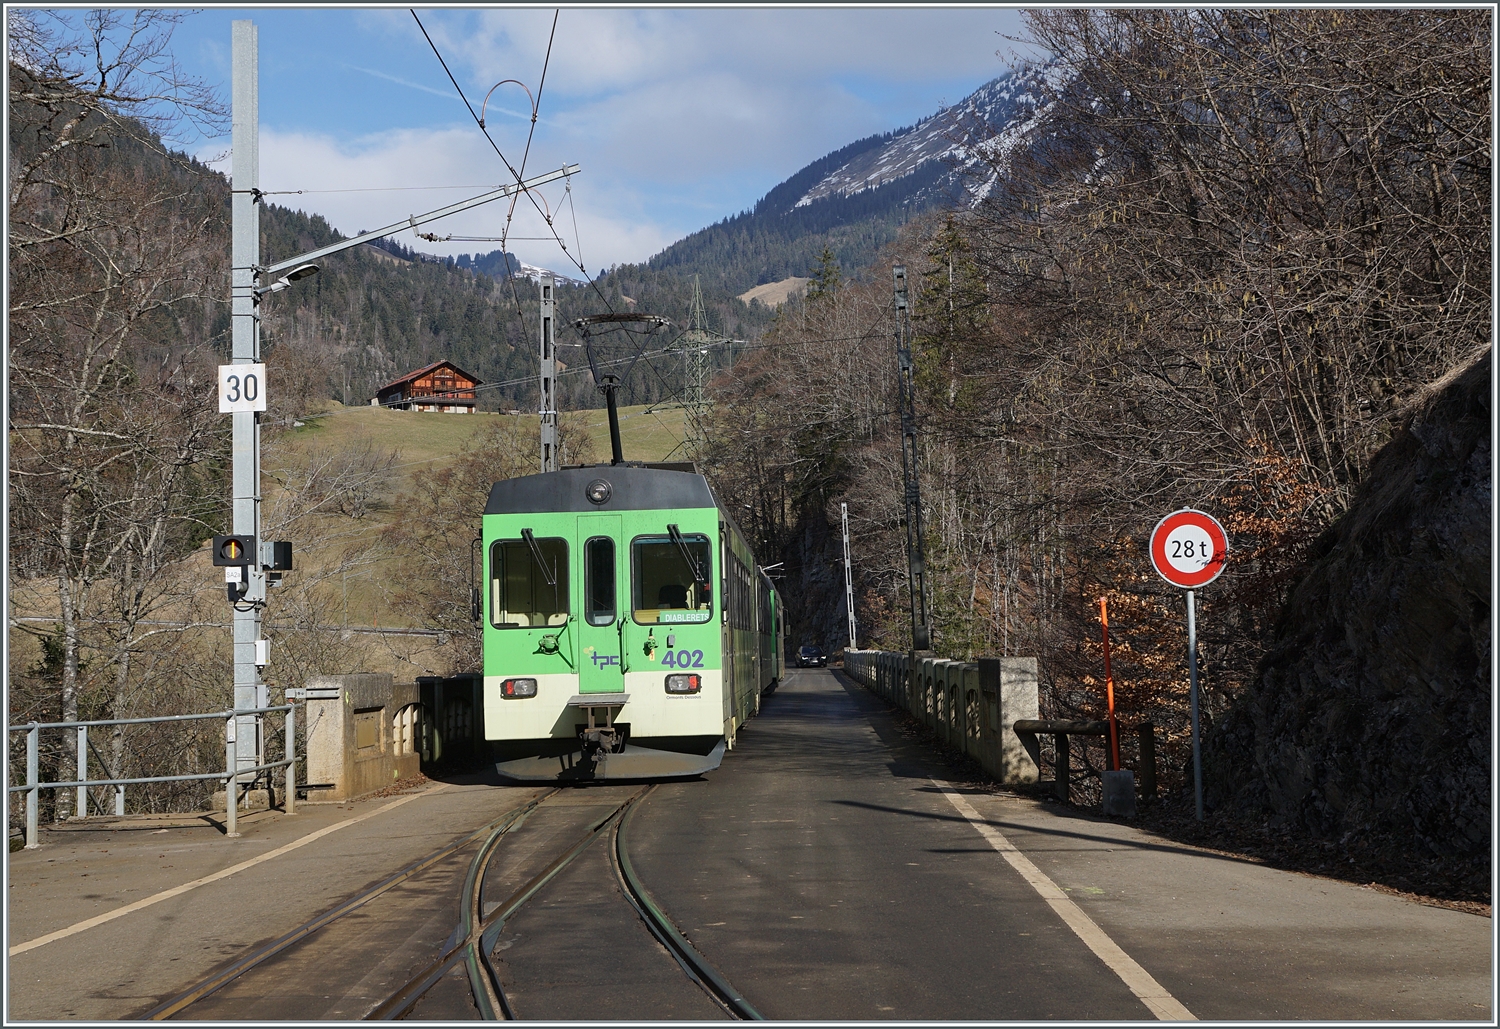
point(550, 574)
point(687, 555)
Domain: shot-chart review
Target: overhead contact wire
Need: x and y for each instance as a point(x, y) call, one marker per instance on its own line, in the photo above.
point(536, 106)
point(496, 147)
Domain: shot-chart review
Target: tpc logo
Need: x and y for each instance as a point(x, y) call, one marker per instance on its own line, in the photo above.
point(605, 660)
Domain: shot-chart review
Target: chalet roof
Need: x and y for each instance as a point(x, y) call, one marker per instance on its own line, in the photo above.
point(409, 376)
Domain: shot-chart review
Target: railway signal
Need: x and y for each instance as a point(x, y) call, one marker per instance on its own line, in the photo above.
point(1188, 549)
point(233, 550)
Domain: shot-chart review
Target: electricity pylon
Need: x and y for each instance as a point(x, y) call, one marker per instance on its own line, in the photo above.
point(695, 345)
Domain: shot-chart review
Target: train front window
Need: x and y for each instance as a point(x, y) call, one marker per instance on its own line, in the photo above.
point(528, 583)
point(599, 580)
point(671, 579)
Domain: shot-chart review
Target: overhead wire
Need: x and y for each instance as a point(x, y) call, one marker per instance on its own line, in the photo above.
point(518, 175)
point(666, 350)
point(498, 153)
point(360, 189)
point(546, 216)
point(536, 103)
point(505, 257)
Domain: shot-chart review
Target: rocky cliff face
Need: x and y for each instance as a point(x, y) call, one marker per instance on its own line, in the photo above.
point(1371, 713)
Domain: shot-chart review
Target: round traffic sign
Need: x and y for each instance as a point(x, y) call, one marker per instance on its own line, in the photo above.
point(1188, 548)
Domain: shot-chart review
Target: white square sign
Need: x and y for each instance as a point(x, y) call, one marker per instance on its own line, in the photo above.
point(242, 387)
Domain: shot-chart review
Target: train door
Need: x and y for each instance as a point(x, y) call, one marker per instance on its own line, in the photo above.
point(601, 666)
point(726, 621)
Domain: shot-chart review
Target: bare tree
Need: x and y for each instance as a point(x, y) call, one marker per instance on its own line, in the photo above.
point(114, 271)
point(1231, 245)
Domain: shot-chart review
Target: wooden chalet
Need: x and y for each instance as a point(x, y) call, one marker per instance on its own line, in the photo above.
point(441, 386)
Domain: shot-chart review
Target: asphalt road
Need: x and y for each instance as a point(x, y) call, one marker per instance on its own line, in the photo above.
point(828, 877)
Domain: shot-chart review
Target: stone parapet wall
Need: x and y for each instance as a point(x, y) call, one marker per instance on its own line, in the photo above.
point(364, 739)
point(972, 706)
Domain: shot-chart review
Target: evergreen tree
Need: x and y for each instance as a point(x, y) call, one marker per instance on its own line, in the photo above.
point(826, 277)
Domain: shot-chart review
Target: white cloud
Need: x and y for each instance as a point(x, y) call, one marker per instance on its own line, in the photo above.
point(679, 116)
point(368, 184)
point(618, 49)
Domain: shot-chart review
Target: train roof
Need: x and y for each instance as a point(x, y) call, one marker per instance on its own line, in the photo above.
point(632, 488)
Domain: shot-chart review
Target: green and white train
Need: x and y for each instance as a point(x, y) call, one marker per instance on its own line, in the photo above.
point(628, 632)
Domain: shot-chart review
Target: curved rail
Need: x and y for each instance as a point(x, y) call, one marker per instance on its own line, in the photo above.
point(495, 829)
point(475, 937)
point(692, 961)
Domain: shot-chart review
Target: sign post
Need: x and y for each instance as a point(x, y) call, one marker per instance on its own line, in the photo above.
point(1109, 689)
point(1188, 549)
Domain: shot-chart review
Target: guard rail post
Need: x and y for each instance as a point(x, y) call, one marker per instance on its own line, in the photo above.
point(231, 783)
point(34, 793)
point(291, 760)
point(1147, 733)
point(1062, 771)
point(81, 809)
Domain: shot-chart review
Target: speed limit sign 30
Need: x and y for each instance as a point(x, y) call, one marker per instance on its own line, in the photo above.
point(1188, 548)
point(242, 387)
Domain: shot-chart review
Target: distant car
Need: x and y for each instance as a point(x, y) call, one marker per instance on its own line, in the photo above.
point(809, 657)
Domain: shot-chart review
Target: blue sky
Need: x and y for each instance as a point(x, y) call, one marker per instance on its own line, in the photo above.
point(678, 116)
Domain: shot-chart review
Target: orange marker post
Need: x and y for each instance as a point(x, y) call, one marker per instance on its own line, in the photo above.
point(1109, 688)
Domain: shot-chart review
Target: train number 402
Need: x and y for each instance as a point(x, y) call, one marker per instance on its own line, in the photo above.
point(683, 659)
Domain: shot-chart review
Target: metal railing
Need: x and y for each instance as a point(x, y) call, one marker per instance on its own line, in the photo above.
point(231, 775)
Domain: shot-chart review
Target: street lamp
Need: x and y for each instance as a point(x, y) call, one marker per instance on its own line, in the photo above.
point(302, 271)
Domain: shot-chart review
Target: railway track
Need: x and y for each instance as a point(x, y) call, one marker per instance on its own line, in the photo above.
point(464, 963)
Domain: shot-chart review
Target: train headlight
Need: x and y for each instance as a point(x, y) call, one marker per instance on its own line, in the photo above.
point(684, 683)
point(598, 491)
point(515, 689)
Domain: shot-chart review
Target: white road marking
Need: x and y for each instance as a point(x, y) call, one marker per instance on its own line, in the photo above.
point(108, 916)
point(1151, 993)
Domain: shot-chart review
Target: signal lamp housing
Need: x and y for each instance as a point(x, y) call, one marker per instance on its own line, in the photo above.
point(234, 550)
point(276, 556)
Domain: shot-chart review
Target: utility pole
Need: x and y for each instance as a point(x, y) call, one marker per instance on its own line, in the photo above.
point(249, 691)
point(848, 576)
point(916, 561)
point(546, 285)
point(245, 557)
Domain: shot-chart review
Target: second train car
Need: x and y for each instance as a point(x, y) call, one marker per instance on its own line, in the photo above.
point(628, 632)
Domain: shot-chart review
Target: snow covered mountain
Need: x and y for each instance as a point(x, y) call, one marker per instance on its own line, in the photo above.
point(855, 199)
point(535, 274)
point(967, 137)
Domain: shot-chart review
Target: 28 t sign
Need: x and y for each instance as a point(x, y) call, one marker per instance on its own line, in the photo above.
point(1188, 548)
point(242, 387)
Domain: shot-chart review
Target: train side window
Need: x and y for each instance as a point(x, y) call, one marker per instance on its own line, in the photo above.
point(524, 594)
point(664, 588)
point(599, 580)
